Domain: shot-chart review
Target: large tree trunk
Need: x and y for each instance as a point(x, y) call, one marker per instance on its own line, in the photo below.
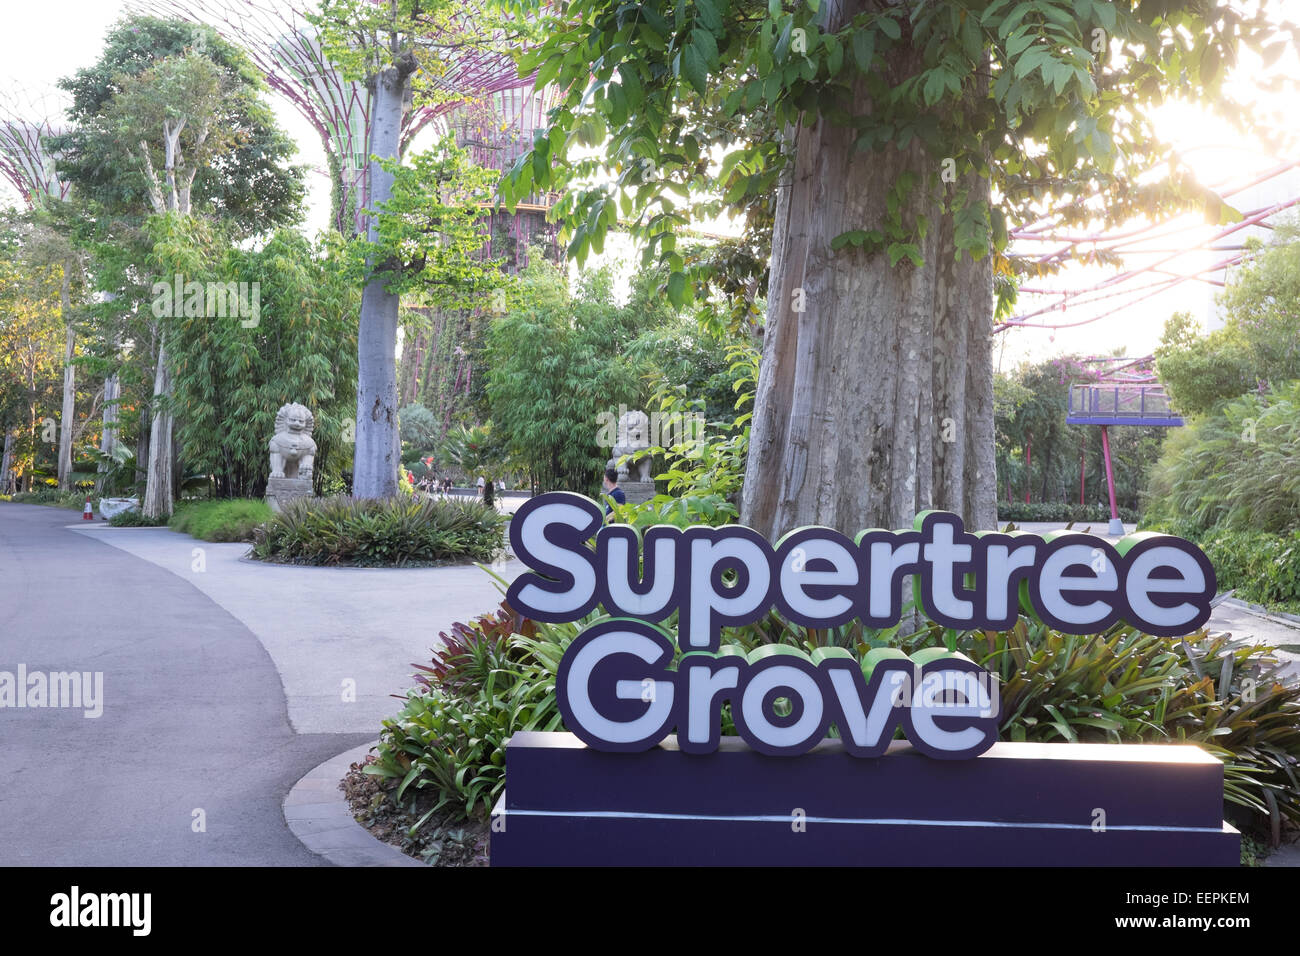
point(378, 450)
point(159, 488)
point(69, 382)
point(160, 473)
point(859, 390)
point(108, 438)
point(6, 464)
point(965, 447)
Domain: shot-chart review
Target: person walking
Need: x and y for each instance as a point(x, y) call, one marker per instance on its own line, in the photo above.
point(612, 490)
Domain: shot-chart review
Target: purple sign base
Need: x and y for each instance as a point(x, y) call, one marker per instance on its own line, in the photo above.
point(1016, 805)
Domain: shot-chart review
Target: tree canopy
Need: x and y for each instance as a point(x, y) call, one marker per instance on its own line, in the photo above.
point(1047, 99)
point(255, 187)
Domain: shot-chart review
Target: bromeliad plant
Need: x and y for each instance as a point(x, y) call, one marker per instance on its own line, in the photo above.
point(380, 532)
point(470, 654)
point(489, 680)
point(1123, 686)
point(496, 676)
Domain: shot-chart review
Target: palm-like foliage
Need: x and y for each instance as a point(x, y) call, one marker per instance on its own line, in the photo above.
point(476, 451)
point(1237, 468)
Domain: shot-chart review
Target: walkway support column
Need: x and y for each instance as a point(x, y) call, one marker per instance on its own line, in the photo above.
point(1116, 526)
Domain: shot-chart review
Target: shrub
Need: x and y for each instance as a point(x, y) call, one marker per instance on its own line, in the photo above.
point(232, 520)
point(73, 500)
point(705, 469)
point(485, 684)
point(418, 426)
point(134, 519)
point(1059, 511)
point(1123, 686)
point(1260, 566)
point(1237, 467)
point(380, 533)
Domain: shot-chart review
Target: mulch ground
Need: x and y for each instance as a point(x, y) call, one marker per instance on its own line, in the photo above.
point(443, 840)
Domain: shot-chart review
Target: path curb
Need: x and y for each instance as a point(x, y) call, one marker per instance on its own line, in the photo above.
point(319, 816)
point(1278, 617)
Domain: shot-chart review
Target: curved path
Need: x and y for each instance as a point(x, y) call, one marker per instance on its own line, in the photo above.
point(195, 714)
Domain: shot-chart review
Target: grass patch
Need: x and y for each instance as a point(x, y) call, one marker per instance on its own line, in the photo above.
point(221, 520)
point(72, 500)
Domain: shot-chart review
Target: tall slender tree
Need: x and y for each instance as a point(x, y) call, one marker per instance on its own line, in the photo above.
point(173, 122)
point(169, 120)
point(286, 47)
point(404, 49)
point(26, 163)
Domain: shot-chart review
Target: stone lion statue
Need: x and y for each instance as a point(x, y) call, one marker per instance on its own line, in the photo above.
point(633, 435)
point(293, 451)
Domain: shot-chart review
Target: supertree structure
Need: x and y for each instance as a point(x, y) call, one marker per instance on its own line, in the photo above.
point(497, 128)
point(24, 160)
point(283, 45)
point(1149, 258)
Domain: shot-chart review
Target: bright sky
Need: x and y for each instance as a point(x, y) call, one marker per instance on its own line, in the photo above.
point(1220, 158)
point(75, 29)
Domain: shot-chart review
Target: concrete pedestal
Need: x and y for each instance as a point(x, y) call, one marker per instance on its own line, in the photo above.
point(637, 491)
point(280, 491)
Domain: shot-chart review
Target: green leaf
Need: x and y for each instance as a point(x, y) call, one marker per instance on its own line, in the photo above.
point(1211, 59)
point(934, 87)
point(694, 69)
point(1019, 41)
point(548, 70)
point(707, 46)
point(783, 41)
point(834, 56)
point(853, 237)
point(708, 13)
point(864, 48)
point(677, 289)
point(1061, 74)
point(901, 250)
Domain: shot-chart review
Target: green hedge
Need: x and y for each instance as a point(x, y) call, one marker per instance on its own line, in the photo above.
point(1262, 567)
point(228, 520)
point(72, 500)
point(1059, 511)
point(380, 533)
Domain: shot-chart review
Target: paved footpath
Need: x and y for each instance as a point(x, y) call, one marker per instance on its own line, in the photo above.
point(198, 714)
point(342, 639)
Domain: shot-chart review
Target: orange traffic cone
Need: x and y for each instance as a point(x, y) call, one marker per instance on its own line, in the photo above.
point(88, 514)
